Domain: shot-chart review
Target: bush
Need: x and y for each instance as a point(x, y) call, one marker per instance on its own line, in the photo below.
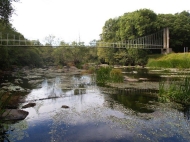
point(103, 74)
point(116, 75)
point(107, 74)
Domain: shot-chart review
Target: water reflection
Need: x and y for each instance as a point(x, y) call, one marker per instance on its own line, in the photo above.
point(50, 89)
point(187, 112)
point(97, 116)
point(134, 100)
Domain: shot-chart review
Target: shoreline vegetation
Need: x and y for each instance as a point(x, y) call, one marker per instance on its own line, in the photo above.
point(176, 91)
point(173, 60)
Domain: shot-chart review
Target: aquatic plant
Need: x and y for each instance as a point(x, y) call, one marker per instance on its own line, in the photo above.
point(116, 75)
point(178, 91)
point(103, 74)
point(108, 74)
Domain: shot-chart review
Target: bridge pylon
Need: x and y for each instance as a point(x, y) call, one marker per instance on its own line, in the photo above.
point(166, 42)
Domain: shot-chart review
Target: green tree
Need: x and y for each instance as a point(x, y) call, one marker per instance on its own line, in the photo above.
point(121, 57)
point(6, 9)
point(137, 56)
point(110, 29)
point(136, 24)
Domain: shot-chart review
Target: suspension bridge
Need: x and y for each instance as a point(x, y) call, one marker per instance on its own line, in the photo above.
point(158, 40)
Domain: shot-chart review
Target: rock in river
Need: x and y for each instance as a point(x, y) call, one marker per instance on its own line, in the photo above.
point(65, 106)
point(14, 114)
point(29, 105)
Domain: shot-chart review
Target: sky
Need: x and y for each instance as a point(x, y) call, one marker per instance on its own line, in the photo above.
point(70, 19)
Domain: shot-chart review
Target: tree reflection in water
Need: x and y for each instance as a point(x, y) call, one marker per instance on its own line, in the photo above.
point(10, 131)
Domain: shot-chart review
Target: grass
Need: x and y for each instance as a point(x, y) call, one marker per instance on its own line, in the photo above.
point(178, 91)
point(108, 74)
point(173, 60)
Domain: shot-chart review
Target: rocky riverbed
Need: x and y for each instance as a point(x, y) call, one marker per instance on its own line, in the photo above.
point(15, 85)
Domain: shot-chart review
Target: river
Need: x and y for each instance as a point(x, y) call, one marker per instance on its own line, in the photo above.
point(97, 113)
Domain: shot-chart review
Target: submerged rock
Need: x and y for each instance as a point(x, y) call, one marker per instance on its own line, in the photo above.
point(14, 114)
point(29, 105)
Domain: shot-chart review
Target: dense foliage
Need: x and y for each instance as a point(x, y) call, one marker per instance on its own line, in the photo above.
point(6, 10)
point(129, 56)
point(144, 22)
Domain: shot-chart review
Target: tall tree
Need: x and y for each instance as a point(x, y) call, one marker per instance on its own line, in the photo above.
point(6, 9)
point(110, 29)
point(136, 24)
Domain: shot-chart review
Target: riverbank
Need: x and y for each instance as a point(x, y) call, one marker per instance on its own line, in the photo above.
point(173, 60)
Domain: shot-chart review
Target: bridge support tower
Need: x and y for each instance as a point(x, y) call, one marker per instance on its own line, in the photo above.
point(166, 42)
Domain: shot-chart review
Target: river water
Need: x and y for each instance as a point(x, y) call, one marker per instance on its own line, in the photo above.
point(97, 114)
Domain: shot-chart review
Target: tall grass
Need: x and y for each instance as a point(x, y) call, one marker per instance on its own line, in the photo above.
point(174, 60)
point(178, 91)
point(108, 74)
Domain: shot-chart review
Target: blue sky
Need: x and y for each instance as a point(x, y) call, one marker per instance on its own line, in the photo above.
point(67, 19)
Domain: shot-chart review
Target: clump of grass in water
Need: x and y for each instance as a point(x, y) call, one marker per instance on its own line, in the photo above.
point(116, 75)
point(108, 74)
point(178, 91)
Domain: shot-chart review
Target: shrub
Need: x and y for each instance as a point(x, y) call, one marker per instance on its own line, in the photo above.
point(116, 75)
point(103, 74)
point(107, 74)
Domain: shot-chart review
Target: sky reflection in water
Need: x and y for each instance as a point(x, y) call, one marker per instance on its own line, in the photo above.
point(95, 116)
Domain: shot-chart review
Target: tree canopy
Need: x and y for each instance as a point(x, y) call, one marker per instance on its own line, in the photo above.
point(6, 9)
point(143, 22)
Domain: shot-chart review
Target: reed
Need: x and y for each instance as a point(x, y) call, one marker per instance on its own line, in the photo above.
point(178, 91)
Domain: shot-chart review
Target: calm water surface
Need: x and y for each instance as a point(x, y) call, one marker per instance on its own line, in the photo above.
point(96, 116)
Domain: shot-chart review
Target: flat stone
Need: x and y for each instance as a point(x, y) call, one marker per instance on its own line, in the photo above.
point(143, 79)
point(14, 114)
point(126, 78)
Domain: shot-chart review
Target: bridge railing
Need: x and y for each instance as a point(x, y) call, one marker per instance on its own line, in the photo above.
point(153, 41)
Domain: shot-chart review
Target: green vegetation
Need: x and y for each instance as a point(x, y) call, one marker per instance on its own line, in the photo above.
point(174, 60)
point(75, 55)
point(6, 9)
point(178, 91)
point(130, 56)
point(143, 22)
point(108, 74)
